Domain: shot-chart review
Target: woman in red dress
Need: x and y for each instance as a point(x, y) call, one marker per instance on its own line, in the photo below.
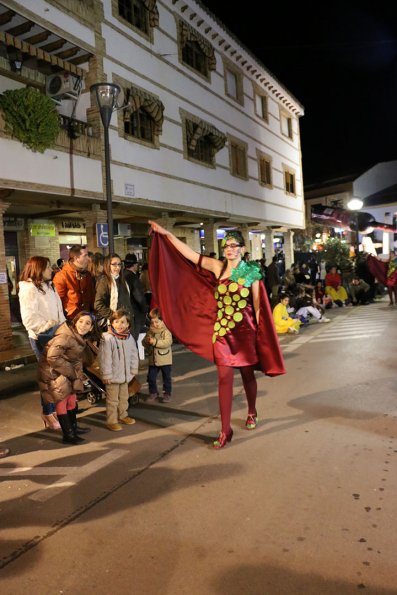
point(219, 310)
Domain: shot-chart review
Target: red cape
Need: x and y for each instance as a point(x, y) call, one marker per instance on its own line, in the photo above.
point(378, 268)
point(185, 296)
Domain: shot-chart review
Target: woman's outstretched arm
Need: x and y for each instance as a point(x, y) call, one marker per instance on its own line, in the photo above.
point(211, 264)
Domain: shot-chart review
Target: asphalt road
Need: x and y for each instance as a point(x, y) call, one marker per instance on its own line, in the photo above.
point(304, 504)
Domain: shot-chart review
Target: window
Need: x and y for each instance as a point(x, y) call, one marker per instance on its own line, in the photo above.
point(139, 15)
point(265, 170)
point(233, 82)
point(135, 12)
point(289, 182)
point(286, 125)
point(238, 158)
point(143, 115)
point(194, 57)
point(261, 106)
point(201, 140)
point(140, 125)
point(202, 151)
point(194, 50)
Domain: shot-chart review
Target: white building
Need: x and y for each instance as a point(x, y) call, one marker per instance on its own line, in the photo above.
point(209, 138)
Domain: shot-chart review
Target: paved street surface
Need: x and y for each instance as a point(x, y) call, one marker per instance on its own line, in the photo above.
point(305, 504)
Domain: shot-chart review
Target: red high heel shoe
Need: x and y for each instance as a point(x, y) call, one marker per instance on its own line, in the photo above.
point(252, 421)
point(222, 439)
point(50, 421)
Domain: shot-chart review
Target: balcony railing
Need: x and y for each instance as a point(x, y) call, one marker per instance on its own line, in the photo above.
point(77, 136)
point(74, 136)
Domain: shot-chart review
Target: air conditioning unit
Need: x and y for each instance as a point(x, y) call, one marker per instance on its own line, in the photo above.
point(63, 84)
point(122, 229)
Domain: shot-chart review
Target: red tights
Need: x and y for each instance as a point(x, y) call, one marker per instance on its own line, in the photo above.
point(67, 404)
point(392, 291)
point(225, 392)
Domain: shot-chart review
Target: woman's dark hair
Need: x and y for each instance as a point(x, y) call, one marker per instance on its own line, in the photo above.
point(282, 296)
point(34, 269)
point(97, 260)
point(107, 269)
point(235, 235)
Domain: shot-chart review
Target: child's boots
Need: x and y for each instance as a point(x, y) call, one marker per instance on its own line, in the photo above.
point(69, 435)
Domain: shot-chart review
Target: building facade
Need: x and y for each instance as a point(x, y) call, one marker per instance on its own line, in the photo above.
point(205, 139)
point(377, 188)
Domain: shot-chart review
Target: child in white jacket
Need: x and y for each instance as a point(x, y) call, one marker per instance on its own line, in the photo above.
point(118, 361)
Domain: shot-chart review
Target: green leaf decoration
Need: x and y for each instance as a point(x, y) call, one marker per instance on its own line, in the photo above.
point(31, 117)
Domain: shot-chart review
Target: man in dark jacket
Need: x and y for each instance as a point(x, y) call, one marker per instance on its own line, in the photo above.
point(74, 283)
point(273, 281)
point(359, 291)
point(137, 293)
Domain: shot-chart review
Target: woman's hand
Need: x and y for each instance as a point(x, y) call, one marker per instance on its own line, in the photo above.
point(158, 229)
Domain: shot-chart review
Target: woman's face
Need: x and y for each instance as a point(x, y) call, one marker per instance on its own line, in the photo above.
point(285, 301)
point(84, 325)
point(47, 273)
point(115, 266)
point(232, 250)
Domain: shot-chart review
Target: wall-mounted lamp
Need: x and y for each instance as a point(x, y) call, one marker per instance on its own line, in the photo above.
point(15, 59)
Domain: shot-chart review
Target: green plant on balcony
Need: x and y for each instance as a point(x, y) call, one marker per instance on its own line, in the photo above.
point(30, 117)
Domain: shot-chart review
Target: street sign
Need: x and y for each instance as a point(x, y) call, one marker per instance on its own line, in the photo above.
point(102, 235)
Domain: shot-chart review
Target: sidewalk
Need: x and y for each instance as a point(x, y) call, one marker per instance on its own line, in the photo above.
point(20, 352)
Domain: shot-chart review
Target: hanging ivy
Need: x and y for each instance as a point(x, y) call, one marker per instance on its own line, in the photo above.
point(30, 117)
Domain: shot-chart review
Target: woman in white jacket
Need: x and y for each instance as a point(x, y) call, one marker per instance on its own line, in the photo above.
point(42, 313)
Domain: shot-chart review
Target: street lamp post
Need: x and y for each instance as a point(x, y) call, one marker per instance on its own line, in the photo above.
point(106, 95)
point(355, 204)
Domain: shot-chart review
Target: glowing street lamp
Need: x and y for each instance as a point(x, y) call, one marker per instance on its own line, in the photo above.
point(355, 204)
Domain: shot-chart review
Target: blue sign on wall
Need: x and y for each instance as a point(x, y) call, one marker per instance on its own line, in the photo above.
point(102, 235)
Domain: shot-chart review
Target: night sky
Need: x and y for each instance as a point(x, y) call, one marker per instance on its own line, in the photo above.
point(340, 61)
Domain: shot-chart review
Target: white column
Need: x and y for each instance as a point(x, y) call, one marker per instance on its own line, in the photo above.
point(256, 244)
point(288, 248)
point(246, 235)
point(269, 245)
point(210, 237)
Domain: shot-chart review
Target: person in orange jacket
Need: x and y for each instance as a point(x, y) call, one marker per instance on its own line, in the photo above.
point(74, 283)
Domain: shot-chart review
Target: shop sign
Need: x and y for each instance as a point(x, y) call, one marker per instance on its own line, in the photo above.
point(72, 225)
point(13, 223)
point(42, 230)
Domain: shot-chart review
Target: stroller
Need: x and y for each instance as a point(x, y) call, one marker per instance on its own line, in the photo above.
point(94, 389)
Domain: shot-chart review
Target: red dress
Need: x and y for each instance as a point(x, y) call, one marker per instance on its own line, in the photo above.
point(185, 295)
point(235, 329)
